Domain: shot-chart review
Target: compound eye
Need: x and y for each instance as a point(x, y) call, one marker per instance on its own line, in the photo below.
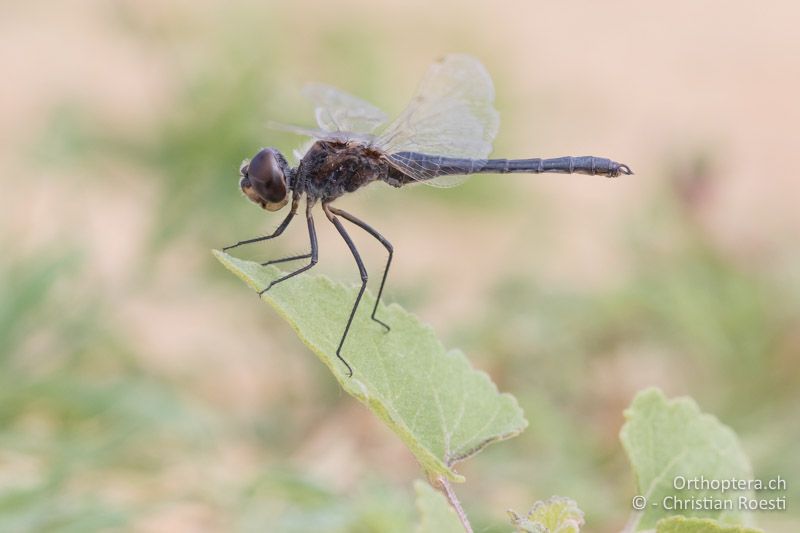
point(267, 179)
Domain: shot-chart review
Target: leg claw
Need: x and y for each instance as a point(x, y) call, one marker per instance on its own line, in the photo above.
point(382, 323)
point(261, 292)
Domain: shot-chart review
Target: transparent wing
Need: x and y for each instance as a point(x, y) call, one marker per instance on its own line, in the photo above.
point(316, 135)
point(434, 171)
point(301, 150)
point(338, 111)
point(340, 117)
point(452, 115)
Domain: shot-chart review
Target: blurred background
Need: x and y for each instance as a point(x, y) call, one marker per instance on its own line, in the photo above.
point(143, 388)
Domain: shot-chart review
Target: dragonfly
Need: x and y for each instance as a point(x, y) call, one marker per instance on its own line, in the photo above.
point(443, 136)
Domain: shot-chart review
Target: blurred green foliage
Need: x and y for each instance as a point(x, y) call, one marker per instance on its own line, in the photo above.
point(73, 402)
point(291, 503)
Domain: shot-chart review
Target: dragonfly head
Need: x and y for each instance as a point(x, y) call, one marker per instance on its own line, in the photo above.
point(264, 179)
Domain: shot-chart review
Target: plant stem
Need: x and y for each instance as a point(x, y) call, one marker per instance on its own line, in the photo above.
point(453, 499)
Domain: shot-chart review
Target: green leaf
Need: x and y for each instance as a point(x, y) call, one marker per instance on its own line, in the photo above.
point(557, 514)
point(681, 524)
point(443, 409)
point(672, 439)
point(436, 514)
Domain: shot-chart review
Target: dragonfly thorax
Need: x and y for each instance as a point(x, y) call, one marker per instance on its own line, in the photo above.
point(330, 169)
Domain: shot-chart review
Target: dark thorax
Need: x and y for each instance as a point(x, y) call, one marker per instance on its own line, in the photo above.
point(330, 169)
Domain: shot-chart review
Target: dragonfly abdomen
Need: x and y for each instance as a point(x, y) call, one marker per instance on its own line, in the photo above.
point(593, 166)
point(433, 166)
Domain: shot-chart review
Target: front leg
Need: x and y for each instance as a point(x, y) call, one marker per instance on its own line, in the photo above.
point(280, 229)
point(285, 259)
point(312, 237)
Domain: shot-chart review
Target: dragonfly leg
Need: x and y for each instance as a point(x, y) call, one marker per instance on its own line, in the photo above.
point(312, 237)
point(285, 259)
point(283, 225)
point(364, 277)
point(386, 244)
